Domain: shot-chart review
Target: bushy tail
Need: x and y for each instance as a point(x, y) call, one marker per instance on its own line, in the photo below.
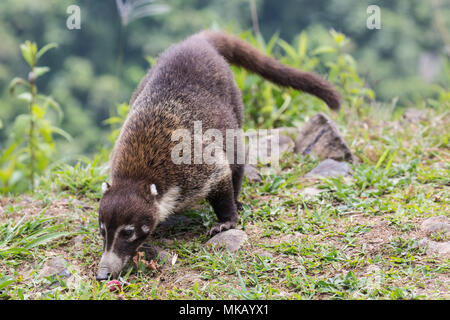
point(240, 53)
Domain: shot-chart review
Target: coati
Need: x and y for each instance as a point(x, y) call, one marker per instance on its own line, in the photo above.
point(191, 81)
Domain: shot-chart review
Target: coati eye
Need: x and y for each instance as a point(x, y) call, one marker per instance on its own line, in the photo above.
point(126, 233)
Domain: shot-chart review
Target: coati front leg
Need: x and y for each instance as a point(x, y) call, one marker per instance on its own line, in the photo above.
point(238, 175)
point(224, 204)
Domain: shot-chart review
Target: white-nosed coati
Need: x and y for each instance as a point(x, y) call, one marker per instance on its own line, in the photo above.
point(191, 81)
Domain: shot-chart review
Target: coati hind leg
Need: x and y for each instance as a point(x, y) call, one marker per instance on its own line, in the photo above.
point(223, 203)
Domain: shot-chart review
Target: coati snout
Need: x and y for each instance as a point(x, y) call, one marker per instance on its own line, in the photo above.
point(125, 221)
point(190, 83)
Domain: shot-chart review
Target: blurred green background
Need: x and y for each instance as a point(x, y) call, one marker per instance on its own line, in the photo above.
point(98, 66)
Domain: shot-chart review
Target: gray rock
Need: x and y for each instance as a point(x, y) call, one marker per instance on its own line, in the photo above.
point(251, 173)
point(330, 168)
point(231, 239)
point(321, 137)
point(266, 254)
point(78, 241)
point(54, 266)
point(414, 115)
point(163, 257)
point(433, 247)
point(436, 224)
point(311, 192)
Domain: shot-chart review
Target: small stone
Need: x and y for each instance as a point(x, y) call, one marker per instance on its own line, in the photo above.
point(320, 136)
point(232, 239)
point(65, 273)
point(265, 254)
point(252, 174)
point(78, 241)
point(330, 168)
point(311, 192)
point(414, 115)
point(436, 224)
point(163, 257)
point(54, 266)
point(433, 247)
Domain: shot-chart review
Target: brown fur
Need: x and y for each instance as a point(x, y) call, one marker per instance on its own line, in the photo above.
point(190, 82)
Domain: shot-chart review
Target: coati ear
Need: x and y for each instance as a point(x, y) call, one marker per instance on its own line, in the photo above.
point(105, 187)
point(153, 190)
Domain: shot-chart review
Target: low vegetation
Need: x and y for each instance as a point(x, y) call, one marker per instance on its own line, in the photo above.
point(347, 238)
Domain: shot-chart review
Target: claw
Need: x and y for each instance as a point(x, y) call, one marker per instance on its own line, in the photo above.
point(219, 228)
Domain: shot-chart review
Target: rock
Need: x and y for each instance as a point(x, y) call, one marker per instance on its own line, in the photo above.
point(311, 192)
point(320, 136)
point(266, 254)
point(330, 168)
point(55, 266)
point(414, 115)
point(436, 224)
point(78, 241)
point(163, 257)
point(231, 239)
point(433, 247)
point(251, 173)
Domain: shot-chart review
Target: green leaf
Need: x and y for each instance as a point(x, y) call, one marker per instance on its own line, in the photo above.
point(61, 132)
point(151, 60)
point(5, 282)
point(37, 111)
point(112, 120)
point(21, 125)
point(39, 71)
point(302, 45)
point(25, 96)
point(288, 49)
point(46, 238)
point(323, 49)
point(13, 84)
point(29, 50)
point(272, 43)
point(49, 101)
point(45, 48)
point(382, 158)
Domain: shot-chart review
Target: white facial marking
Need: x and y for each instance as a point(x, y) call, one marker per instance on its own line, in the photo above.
point(111, 260)
point(153, 190)
point(168, 202)
point(104, 187)
point(145, 229)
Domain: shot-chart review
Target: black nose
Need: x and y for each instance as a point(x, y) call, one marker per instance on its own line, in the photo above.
point(103, 276)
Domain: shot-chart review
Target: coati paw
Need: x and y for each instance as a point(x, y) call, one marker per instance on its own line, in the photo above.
point(220, 228)
point(239, 205)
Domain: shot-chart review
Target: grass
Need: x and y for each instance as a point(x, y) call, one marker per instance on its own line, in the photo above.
point(356, 239)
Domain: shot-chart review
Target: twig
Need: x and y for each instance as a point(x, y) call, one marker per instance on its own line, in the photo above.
point(254, 17)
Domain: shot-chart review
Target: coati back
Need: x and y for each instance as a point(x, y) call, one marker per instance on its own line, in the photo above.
point(190, 83)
